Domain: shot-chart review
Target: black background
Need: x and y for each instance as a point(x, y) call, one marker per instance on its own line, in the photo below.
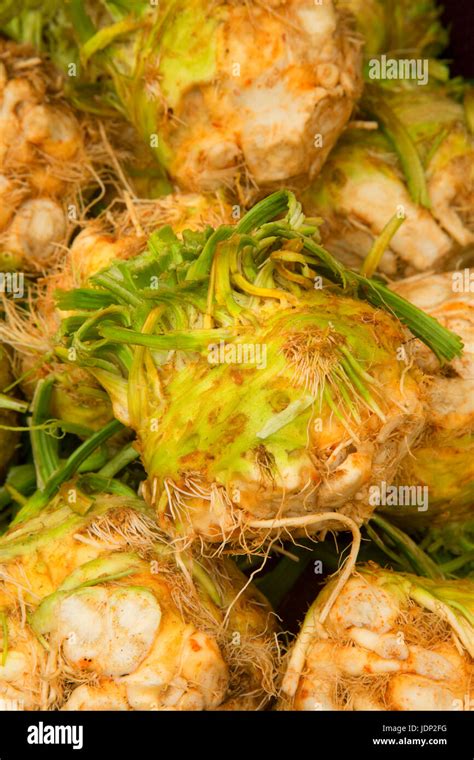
point(223, 735)
point(459, 16)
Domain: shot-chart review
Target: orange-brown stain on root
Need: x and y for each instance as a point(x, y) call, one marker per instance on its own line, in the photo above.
point(237, 376)
point(235, 427)
point(194, 645)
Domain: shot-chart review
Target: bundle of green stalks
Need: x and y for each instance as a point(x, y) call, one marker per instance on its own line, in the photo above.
point(30, 326)
point(9, 409)
point(399, 29)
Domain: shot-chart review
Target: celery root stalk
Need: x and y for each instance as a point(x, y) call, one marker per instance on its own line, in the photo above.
point(100, 614)
point(255, 371)
point(50, 158)
point(442, 461)
point(391, 641)
point(402, 29)
point(416, 161)
point(228, 94)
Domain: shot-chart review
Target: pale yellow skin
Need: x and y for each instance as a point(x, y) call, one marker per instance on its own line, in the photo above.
point(363, 188)
point(447, 297)
point(135, 643)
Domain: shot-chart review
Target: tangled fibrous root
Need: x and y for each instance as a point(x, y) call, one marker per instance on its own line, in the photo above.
point(54, 161)
point(21, 671)
point(140, 216)
point(135, 625)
